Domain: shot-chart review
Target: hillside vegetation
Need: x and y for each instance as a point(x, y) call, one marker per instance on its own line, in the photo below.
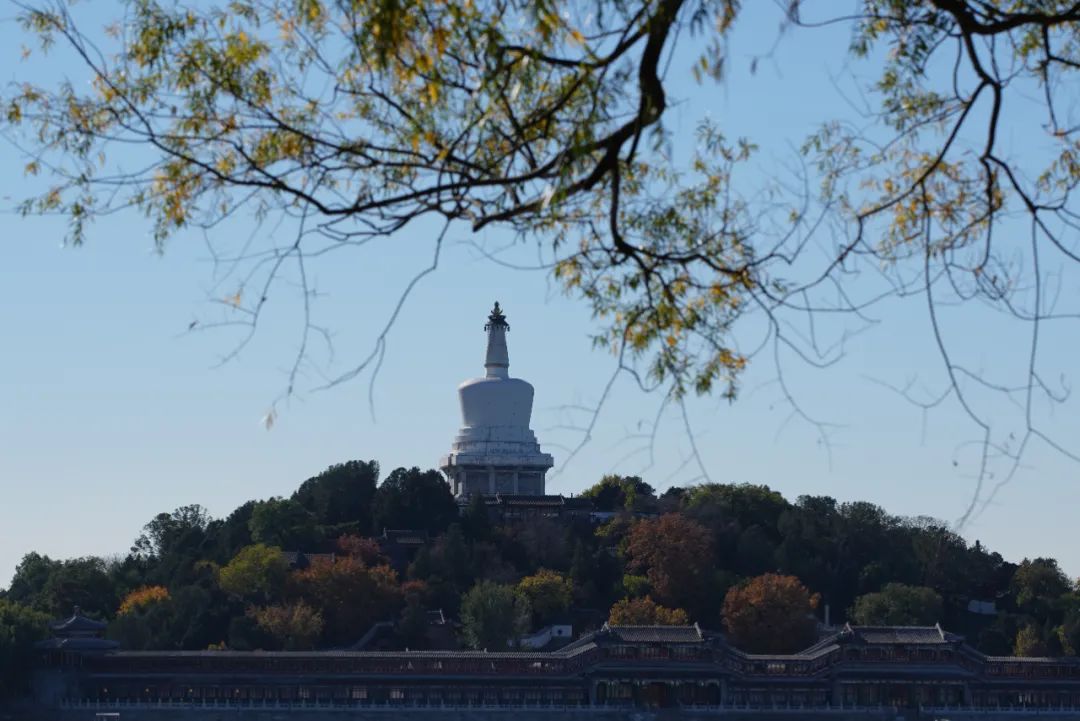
point(738, 558)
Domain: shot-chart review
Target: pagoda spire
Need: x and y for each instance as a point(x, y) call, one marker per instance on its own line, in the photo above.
point(497, 360)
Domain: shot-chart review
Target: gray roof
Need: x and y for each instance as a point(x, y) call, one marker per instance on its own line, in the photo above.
point(521, 499)
point(900, 634)
point(656, 634)
point(77, 623)
point(78, 644)
point(300, 559)
point(341, 653)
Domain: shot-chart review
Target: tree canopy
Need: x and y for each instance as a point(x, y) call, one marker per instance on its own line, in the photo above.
point(494, 616)
point(771, 614)
point(898, 604)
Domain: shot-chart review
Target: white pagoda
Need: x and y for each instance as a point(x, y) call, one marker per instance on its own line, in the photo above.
point(495, 451)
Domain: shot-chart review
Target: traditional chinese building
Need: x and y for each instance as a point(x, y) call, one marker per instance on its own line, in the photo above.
point(858, 671)
point(495, 451)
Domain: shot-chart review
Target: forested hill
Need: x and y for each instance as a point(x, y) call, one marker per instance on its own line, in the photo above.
point(725, 556)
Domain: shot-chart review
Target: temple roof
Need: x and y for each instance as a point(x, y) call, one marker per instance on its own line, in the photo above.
point(510, 499)
point(406, 536)
point(900, 634)
point(78, 643)
point(656, 634)
point(300, 559)
point(76, 624)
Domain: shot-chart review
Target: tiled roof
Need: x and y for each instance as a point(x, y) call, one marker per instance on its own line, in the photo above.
point(299, 559)
point(405, 535)
point(78, 644)
point(511, 499)
point(1070, 660)
point(656, 634)
point(77, 623)
point(900, 634)
point(341, 653)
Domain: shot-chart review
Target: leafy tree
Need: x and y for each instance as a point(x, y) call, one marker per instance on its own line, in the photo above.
point(1038, 584)
point(636, 586)
point(493, 616)
point(898, 604)
point(245, 633)
point(581, 565)
point(20, 628)
point(56, 587)
point(675, 554)
point(31, 576)
point(550, 594)
point(543, 541)
point(349, 595)
point(366, 550)
point(255, 572)
point(475, 521)
point(83, 582)
point(770, 614)
point(451, 556)
point(294, 626)
point(619, 493)
point(202, 616)
point(415, 499)
point(232, 533)
point(145, 620)
point(755, 551)
point(341, 494)
point(809, 532)
point(1029, 642)
point(413, 622)
point(168, 533)
point(645, 612)
point(140, 598)
point(284, 523)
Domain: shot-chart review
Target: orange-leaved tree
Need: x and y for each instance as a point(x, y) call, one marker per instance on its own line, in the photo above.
point(645, 612)
point(771, 613)
point(364, 549)
point(143, 597)
point(350, 595)
point(675, 553)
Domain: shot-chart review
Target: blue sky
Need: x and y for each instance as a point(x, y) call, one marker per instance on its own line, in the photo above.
point(110, 413)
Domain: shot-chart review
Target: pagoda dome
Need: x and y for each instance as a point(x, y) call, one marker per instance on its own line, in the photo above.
point(496, 400)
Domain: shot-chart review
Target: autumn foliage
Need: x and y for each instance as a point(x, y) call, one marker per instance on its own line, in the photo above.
point(646, 612)
point(675, 553)
point(549, 594)
point(350, 595)
point(771, 614)
point(142, 597)
point(295, 627)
